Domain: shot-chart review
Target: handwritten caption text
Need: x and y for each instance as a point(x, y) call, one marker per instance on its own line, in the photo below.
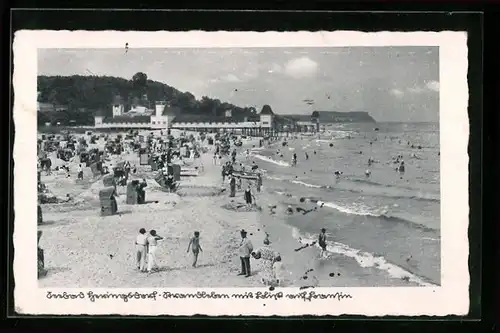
point(155, 295)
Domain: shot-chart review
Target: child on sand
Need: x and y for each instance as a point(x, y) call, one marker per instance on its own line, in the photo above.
point(195, 246)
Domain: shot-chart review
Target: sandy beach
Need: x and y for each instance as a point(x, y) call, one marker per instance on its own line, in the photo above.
point(83, 249)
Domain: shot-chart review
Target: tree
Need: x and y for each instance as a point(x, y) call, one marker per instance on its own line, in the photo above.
point(83, 93)
point(139, 83)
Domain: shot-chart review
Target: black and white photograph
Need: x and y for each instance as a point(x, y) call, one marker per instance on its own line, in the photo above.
point(330, 170)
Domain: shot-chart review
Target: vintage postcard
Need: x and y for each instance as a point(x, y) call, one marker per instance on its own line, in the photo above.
point(241, 173)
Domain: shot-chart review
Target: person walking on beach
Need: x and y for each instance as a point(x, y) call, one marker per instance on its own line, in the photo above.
point(232, 186)
point(259, 182)
point(269, 271)
point(224, 173)
point(140, 249)
point(248, 196)
point(322, 241)
point(153, 239)
point(238, 183)
point(245, 249)
point(233, 156)
point(80, 172)
point(195, 246)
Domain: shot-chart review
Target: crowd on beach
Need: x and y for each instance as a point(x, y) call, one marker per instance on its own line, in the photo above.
point(234, 165)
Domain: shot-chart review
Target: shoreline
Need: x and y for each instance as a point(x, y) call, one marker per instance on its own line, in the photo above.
point(176, 217)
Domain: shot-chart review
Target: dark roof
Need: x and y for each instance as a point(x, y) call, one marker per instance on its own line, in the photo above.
point(125, 119)
point(266, 110)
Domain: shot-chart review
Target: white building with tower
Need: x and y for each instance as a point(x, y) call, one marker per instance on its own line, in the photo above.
point(164, 116)
point(118, 107)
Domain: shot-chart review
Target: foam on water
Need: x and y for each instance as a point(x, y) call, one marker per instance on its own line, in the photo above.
point(407, 193)
point(270, 160)
point(360, 210)
point(365, 259)
point(354, 210)
point(304, 183)
point(394, 216)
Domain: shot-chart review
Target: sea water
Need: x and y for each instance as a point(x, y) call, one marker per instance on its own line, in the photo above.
point(390, 220)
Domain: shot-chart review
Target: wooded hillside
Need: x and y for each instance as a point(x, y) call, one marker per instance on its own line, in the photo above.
point(85, 95)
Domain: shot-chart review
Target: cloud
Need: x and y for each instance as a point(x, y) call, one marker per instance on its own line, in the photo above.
point(433, 85)
point(301, 67)
point(397, 92)
point(230, 78)
point(275, 68)
point(415, 90)
point(250, 71)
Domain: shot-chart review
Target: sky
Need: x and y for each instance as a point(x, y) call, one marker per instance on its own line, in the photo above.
point(391, 83)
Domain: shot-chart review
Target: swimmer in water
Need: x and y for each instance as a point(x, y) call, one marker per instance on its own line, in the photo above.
point(368, 173)
point(338, 174)
point(307, 156)
point(294, 159)
point(289, 210)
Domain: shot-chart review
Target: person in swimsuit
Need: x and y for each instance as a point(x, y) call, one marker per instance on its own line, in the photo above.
point(322, 241)
point(232, 186)
point(248, 196)
point(195, 246)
